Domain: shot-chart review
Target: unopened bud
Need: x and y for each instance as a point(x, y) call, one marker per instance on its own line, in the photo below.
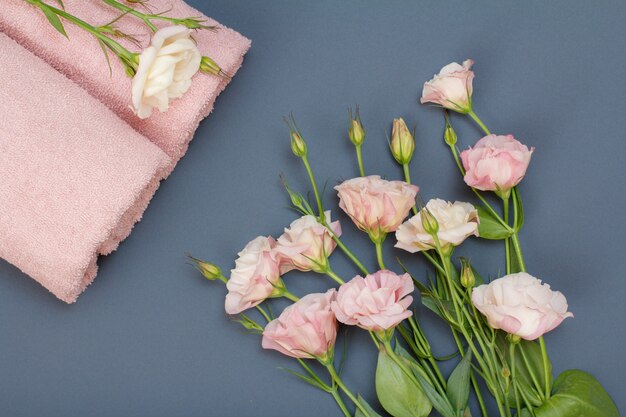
point(298, 145)
point(429, 222)
point(209, 66)
point(402, 142)
point(467, 274)
point(449, 135)
point(356, 131)
point(207, 269)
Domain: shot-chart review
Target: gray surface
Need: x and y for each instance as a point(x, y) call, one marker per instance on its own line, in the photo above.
point(149, 337)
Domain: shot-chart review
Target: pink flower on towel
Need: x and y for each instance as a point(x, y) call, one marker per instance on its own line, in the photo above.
point(451, 88)
point(496, 163)
point(255, 277)
point(378, 302)
point(306, 329)
point(306, 245)
point(165, 70)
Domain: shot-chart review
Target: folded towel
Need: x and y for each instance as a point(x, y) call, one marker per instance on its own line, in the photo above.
point(75, 177)
point(81, 59)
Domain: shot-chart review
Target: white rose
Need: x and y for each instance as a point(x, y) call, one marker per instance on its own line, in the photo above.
point(255, 276)
point(457, 221)
point(521, 305)
point(165, 70)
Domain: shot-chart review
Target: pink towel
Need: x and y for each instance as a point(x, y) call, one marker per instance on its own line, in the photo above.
point(75, 177)
point(81, 59)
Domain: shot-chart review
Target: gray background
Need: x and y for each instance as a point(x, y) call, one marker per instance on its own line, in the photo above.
point(149, 337)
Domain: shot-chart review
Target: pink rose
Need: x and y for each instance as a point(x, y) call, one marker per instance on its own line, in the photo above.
point(255, 277)
point(456, 222)
point(496, 163)
point(375, 205)
point(306, 329)
point(306, 245)
point(377, 302)
point(451, 88)
point(521, 305)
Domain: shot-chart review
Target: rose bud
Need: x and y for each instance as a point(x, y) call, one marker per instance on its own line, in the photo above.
point(378, 302)
point(306, 245)
point(451, 88)
point(521, 305)
point(165, 70)
point(255, 278)
point(356, 132)
point(402, 142)
point(306, 329)
point(376, 206)
point(496, 163)
point(455, 223)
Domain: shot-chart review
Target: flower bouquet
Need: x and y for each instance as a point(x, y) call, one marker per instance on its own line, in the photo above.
point(498, 327)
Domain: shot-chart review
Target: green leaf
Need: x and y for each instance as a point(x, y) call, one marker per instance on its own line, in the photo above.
point(60, 2)
point(459, 383)
point(490, 227)
point(525, 369)
point(397, 393)
point(439, 402)
point(53, 19)
point(369, 409)
point(576, 393)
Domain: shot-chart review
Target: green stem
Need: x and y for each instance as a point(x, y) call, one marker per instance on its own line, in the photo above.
point(546, 367)
point(507, 241)
point(145, 18)
point(479, 122)
point(379, 254)
point(320, 208)
point(513, 376)
point(334, 276)
point(407, 179)
point(340, 403)
point(533, 377)
point(290, 296)
point(344, 248)
point(263, 313)
point(359, 157)
point(122, 53)
point(518, 251)
point(344, 388)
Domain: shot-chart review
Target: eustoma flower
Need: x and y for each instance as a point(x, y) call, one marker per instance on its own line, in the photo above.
point(375, 205)
point(255, 278)
point(496, 163)
point(521, 305)
point(451, 88)
point(455, 223)
point(165, 70)
point(306, 244)
point(378, 302)
point(306, 329)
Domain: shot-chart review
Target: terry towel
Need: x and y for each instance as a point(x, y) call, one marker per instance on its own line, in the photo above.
point(81, 59)
point(74, 176)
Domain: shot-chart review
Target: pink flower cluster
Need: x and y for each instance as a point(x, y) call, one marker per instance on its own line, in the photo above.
point(308, 328)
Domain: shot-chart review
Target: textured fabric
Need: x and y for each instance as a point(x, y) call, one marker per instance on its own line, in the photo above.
point(81, 59)
point(75, 177)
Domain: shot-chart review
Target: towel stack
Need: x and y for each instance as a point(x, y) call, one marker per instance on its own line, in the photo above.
point(78, 167)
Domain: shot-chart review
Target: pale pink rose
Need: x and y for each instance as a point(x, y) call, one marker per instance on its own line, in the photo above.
point(521, 305)
point(255, 276)
point(375, 205)
point(306, 329)
point(377, 302)
point(306, 244)
point(496, 163)
point(451, 88)
point(457, 221)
